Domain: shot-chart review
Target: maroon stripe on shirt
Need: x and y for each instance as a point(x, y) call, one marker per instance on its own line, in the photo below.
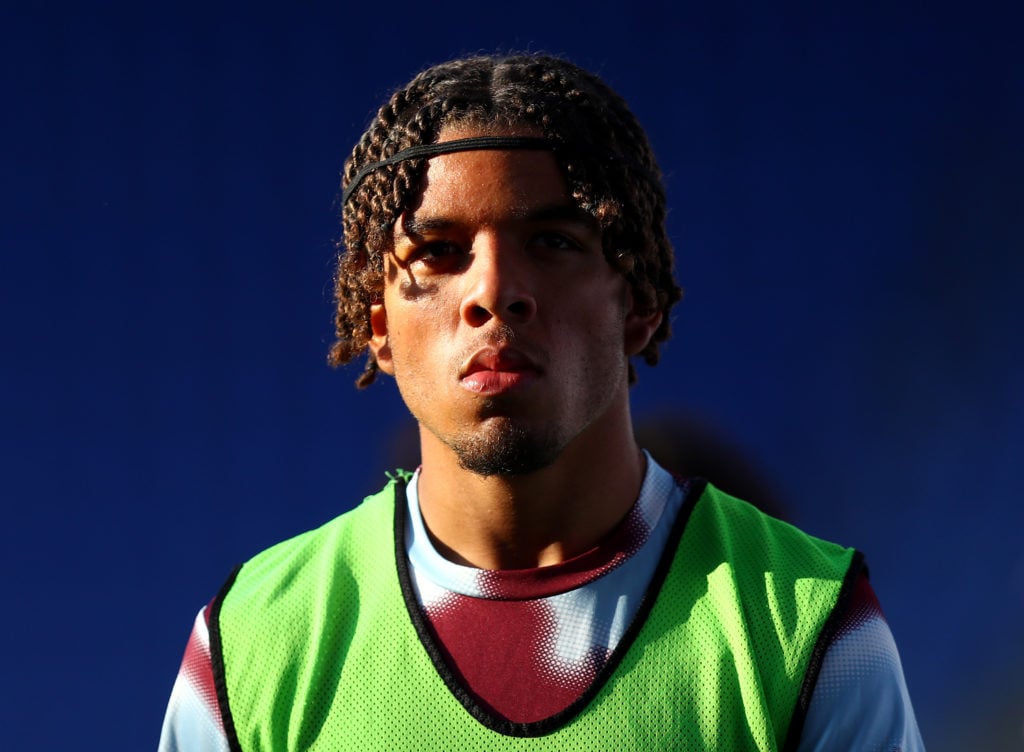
point(863, 607)
point(540, 582)
point(198, 671)
point(503, 651)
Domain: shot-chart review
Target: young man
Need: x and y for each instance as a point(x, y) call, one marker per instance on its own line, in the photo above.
point(539, 582)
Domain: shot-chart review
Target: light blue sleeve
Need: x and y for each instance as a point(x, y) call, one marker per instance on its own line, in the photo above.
point(192, 722)
point(861, 701)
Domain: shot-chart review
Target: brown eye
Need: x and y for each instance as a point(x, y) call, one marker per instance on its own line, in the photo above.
point(435, 256)
point(555, 240)
point(437, 250)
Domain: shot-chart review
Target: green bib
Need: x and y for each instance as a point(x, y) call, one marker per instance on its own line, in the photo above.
point(318, 644)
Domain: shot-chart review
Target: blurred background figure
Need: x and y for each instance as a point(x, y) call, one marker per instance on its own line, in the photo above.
point(691, 447)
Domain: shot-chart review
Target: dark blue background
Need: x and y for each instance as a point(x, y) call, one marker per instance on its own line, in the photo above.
point(847, 203)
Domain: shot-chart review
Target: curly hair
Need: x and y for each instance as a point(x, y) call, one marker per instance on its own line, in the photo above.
point(601, 149)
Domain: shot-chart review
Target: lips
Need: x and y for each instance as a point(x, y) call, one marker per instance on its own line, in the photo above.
point(493, 370)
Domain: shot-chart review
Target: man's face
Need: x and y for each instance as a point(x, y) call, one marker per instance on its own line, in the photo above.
point(505, 328)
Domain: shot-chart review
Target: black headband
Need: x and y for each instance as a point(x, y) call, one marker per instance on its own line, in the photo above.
point(448, 147)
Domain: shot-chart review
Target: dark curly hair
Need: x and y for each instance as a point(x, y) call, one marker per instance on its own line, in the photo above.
point(601, 149)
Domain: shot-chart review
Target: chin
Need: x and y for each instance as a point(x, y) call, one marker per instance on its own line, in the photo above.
point(508, 449)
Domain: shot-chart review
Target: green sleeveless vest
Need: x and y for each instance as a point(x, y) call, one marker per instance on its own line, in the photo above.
point(317, 644)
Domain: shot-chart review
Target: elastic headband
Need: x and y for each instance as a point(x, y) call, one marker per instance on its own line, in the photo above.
point(449, 147)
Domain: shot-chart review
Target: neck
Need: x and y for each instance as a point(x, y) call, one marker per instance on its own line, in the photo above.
point(539, 519)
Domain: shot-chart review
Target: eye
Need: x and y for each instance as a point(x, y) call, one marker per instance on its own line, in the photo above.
point(555, 240)
point(434, 255)
point(438, 249)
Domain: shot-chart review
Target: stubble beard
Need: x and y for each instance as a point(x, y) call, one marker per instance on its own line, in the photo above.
point(503, 446)
point(507, 449)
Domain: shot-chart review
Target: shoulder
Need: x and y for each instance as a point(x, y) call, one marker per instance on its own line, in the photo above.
point(855, 695)
point(347, 537)
point(767, 544)
point(193, 721)
point(860, 700)
point(280, 586)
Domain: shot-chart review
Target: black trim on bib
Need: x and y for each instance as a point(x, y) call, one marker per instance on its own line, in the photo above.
point(474, 705)
point(856, 569)
point(217, 661)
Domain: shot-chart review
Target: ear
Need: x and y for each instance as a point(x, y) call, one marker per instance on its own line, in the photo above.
point(640, 326)
point(379, 345)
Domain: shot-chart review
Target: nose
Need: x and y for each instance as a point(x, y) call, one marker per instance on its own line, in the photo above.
point(499, 284)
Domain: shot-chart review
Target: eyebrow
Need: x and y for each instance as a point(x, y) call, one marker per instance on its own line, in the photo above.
point(413, 226)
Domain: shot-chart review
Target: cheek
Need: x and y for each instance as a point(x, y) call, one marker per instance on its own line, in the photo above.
point(419, 329)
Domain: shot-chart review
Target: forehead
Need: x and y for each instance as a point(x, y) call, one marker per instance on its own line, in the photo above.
point(477, 184)
point(477, 181)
